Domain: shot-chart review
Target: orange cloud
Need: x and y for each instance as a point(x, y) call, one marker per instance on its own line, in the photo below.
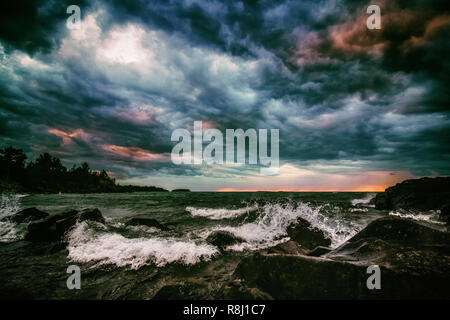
point(134, 153)
point(67, 137)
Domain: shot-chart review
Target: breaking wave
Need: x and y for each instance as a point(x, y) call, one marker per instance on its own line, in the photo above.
point(431, 217)
point(218, 214)
point(10, 204)
point(86, 245)
point(364, 200)
point(270, 228)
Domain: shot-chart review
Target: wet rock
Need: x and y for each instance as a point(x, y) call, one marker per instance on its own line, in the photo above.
point(289, 247)
point(237, 290)
point(187, 291)
point(419, 194)
point(53, 228)
point(307, 236)
point(302, 277)
point(413, 259)
point(402, 231)
point(222, 239)
point(445, 213)
point(319, 251)
point(27, 215)
point(92, 215)
point(401, 245)
point(149, 222)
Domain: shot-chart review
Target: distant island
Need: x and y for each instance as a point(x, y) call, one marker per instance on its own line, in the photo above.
point(181, 190)
point(48, 175)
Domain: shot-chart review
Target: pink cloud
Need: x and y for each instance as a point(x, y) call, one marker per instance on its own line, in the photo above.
point(134, 153)
point(68, 136)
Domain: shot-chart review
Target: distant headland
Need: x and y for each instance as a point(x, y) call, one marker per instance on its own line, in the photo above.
point(48, 175)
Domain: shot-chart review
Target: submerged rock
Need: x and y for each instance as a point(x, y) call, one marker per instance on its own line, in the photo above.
point(419, 194)
point(307, 236)
point(27, 215)
point(222, 239)
point(53, 228)
point(289, 247)
point(149, 222)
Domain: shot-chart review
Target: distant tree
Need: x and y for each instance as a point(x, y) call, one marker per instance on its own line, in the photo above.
point(12, 163)
point(48, 174)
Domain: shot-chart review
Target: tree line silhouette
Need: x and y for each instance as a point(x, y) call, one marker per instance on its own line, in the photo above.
point(47, 174)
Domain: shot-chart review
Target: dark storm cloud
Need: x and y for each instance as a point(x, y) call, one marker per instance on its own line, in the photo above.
point(33, 25)
point(336, 90)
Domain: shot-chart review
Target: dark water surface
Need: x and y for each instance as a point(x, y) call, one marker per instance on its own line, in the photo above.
point(134, 262)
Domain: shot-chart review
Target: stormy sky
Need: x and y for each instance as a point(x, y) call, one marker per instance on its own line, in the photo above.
point(357, 109)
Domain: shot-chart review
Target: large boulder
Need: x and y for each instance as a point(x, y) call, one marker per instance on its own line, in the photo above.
point(26, 215)
point(54, 227)
point(306, 235)
point(144, 221)
point(223, 239)
point(401, 245)
point(301, 277)
point(403, 231)
point(92, 215)
point(413, 260)
point(419, 194)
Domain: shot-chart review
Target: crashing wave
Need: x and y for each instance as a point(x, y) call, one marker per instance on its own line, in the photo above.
point(364, 200)
point(270, 228)
point(86, 245)
point(220, 213)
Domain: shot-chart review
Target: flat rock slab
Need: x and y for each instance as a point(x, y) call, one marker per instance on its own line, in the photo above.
point(301, 277)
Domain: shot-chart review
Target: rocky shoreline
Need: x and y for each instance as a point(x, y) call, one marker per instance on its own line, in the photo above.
point(413, 257)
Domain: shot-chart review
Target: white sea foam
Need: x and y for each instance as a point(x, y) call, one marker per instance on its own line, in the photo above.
point(364, 200)
point(10, 204)
point(220, 213)
point(86, 245)
point(359, 210)
point(431, 217)
point(270, 228)
point(11, 232)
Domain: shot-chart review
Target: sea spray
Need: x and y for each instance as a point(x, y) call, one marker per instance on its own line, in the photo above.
point(219, 213)
point(9, 231)
point(365, 200)
point(270, 227)
point(87, 245)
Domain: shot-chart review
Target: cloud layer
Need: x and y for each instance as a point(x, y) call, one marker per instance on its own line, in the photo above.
point(355, 107)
